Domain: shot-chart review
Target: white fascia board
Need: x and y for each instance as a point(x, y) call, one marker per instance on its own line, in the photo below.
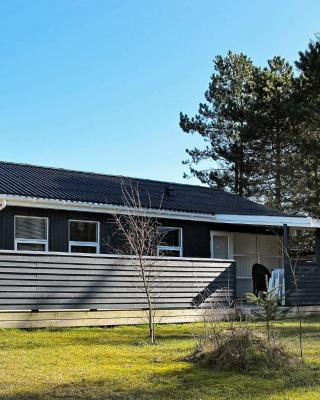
point(102, 208)
point(259, 220)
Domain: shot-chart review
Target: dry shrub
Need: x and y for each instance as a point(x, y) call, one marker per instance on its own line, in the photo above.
point(241, 349)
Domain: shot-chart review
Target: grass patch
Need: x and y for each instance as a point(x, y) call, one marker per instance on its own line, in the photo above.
point(117, 363)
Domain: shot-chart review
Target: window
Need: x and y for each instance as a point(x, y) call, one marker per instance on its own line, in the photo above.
point(170, 241)
point(221, 245)
point(83, 236)
point(31, 233)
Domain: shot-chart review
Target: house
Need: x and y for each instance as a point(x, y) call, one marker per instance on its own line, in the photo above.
point(57, 212)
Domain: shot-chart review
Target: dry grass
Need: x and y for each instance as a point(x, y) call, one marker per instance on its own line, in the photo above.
point(242, 349)
point(116, 363)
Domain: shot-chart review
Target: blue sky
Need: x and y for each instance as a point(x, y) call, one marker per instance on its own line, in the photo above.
point(98, 85)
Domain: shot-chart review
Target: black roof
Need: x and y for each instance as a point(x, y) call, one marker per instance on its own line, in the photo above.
point(62, 184)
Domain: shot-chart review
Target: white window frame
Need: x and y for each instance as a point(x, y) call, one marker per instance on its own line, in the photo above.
point(45, 242)
point(172, 248)
point(229, 235)
point(84, 244)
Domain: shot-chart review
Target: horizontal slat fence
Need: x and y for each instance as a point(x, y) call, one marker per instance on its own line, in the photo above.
point(308, 281)
point(46, 282)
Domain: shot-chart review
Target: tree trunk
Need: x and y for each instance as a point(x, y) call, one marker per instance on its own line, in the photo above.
point(241, 172)
point(278, 175)
point(236, 177)
point(151, 324)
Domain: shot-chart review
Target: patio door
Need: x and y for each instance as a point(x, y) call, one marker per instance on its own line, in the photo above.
point(250, 248)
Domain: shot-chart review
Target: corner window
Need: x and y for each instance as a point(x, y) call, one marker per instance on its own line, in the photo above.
point(31, 233)
point(170, 241)
point(83, 236)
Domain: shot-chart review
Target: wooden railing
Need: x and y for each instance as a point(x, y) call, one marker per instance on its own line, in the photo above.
point(60, 281)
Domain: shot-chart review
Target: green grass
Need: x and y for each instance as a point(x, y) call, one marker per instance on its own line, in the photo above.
point(116, 363)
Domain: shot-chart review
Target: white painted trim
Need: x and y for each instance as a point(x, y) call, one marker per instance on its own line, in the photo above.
point(31, 241)
point(103, 208)
point(84, 244)
point(172, 248)
point(229, 235)
point(260, 220)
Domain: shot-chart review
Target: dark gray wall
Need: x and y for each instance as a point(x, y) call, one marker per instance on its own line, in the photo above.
point(308, 281)
point(196, 235)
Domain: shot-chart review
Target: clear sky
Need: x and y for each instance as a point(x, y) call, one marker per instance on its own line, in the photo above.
point(98, 85)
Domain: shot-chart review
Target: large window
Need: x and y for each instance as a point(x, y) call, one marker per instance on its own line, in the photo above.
point(31, 233)
point(83, 236)
point(170, 241)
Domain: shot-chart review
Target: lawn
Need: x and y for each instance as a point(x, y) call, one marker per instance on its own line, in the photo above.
point(116, 363)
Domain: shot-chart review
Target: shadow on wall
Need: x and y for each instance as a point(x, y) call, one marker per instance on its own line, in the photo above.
point(53, 283)
point(220, 289)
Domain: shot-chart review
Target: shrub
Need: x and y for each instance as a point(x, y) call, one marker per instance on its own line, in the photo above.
point(240, 349)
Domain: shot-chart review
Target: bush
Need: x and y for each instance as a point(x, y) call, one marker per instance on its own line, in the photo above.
point(240, 349)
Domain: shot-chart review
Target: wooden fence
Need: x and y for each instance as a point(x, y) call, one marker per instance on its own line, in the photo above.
point(50, 282)
point(308, 281)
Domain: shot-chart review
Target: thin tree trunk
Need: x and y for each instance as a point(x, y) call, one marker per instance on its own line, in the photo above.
point(150, 305)
point(236, 178)
point(241, 174)
point(278, 176)
point(299, 313)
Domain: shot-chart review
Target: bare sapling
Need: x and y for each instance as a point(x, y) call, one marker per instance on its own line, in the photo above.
point(218, 312)
point(139, 240)
point(293, 270)
point(291, 264)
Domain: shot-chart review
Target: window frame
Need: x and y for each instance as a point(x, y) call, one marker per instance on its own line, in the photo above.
point(171, 248)
point(84, 244)
point(45, 242)
point(227, 234)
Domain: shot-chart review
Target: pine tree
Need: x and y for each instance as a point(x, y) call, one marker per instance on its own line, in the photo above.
point(222, 122)
point(307, 108)
point(275, 144)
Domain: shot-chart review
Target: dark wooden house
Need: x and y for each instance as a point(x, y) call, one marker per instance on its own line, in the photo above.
point(56, 230)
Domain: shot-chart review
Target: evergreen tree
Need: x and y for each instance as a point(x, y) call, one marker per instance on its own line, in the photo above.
point(307, 114)
point(261, 128)
point(275, 144)
point(222, 122)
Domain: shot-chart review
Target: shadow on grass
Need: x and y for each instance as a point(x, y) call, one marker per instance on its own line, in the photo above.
point(189, 383)
point(127, 336)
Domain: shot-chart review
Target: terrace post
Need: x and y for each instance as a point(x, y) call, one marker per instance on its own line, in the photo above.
point(286, 260)
point(317, 246)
